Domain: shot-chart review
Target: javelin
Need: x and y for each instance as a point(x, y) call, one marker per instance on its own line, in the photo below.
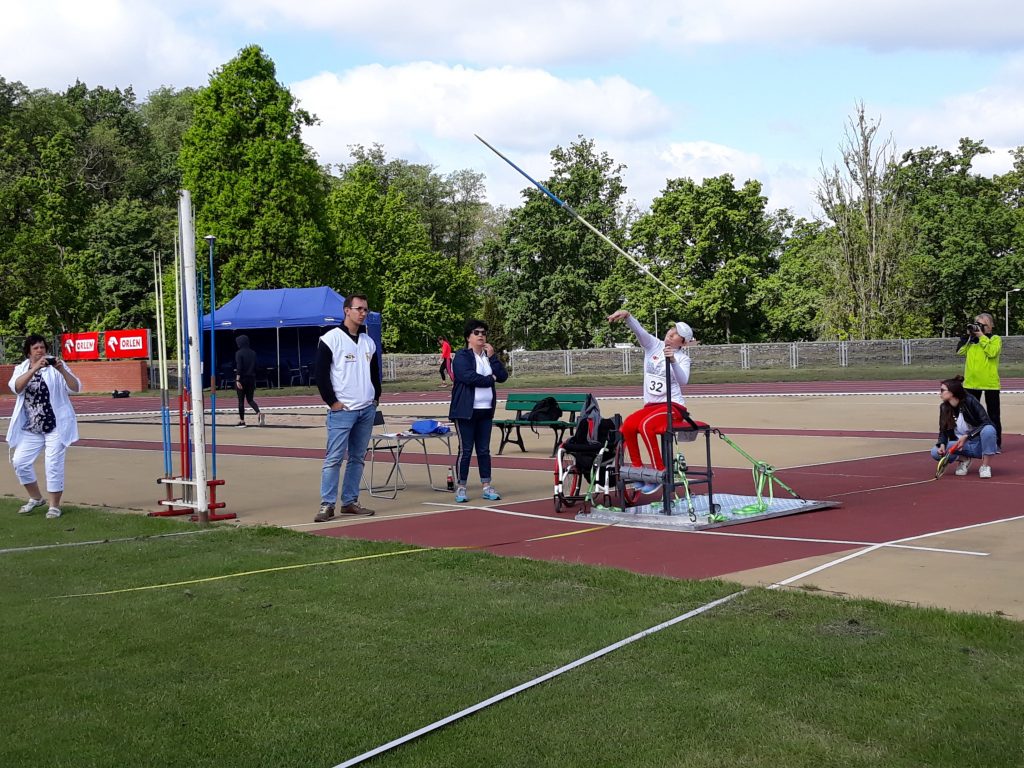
point(569, 209)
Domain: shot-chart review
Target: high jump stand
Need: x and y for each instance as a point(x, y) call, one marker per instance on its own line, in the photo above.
point(198, 494)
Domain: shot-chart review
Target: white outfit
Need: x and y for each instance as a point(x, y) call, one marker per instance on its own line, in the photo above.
point(350, 368)
point(25, 446)
point(654, 366)
point(483, 397)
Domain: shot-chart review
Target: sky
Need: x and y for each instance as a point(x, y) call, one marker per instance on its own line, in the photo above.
point(668, 88)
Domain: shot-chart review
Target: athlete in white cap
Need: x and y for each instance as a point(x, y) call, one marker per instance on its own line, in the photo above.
point(651, 421)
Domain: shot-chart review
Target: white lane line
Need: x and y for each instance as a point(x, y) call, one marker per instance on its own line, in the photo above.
point(733, 534)
point(874, 547)
point(536, 681)
point(37, 547)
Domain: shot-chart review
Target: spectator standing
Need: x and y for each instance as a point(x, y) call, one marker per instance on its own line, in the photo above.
point(348, 377)
point(245, 379)
point(981, 347)
point(474, 397)
point(43, 418)
point(446, 360)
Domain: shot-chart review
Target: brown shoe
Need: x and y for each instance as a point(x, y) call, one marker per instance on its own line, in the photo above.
point(355, 509)
point(326, 513)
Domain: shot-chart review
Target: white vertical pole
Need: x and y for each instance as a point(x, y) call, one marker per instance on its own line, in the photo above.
point(188, 250)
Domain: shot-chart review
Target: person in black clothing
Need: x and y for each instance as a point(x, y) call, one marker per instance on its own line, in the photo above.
point(965, 428)
point(245, 379)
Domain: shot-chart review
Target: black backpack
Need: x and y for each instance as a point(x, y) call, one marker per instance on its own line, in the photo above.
point(546, 409)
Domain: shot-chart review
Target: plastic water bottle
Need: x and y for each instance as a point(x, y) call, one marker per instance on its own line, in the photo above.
point(451, 480)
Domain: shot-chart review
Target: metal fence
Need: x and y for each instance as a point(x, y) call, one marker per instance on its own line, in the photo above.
point(802, 354)
point(573, 362)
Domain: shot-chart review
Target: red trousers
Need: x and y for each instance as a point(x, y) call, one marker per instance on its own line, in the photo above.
point(650, 422)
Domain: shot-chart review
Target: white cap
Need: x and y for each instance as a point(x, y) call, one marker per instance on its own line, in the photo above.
point(685, 331)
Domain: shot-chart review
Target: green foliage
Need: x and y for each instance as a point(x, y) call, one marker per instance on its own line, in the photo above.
point(545, 270)
point(66, 161)
point(717, 243)
point(255, 185)
point(384, 251)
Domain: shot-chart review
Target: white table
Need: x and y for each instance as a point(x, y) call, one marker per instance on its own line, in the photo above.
point(393, 444)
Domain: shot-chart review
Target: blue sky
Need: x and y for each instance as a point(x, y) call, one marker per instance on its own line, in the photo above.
point(667, 87)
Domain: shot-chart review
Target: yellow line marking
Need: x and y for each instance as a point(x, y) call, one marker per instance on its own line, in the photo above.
point(248, 573)
point(324, 562)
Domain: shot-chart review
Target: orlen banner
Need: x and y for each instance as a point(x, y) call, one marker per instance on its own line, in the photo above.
point(80, 346)
point(133, 343)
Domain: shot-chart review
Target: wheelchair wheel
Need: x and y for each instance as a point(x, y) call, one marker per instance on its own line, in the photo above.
point(571, 482)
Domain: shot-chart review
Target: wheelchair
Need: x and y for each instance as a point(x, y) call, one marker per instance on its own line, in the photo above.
point(587, 468)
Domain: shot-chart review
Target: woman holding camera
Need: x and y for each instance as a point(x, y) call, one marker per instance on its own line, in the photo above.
point(42, 419)
point(981, 348)
point(965, 428)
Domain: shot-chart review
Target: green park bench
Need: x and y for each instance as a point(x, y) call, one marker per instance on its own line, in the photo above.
point(522, 403)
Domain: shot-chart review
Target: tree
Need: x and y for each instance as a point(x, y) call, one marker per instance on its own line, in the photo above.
point(962, 256)
point(545, 270)
point(717, 243)
point(384, 251)
point(871, 240)
point(794, 296)
point(63, 157)
point(255, 185)
point(450, 207)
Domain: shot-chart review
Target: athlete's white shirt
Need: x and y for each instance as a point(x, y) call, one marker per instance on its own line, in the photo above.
point(654, 366)
point(350, 368)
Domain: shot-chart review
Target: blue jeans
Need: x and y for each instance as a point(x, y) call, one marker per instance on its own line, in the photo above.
point(475, 433)
point(975, 448)
point(348, 432)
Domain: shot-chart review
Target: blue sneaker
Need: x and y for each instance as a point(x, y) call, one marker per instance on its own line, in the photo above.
point(460, 495)
point(649, 487)
point(490, 494)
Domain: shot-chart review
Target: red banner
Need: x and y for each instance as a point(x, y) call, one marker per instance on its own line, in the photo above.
point(133, 343)
point(80, 346)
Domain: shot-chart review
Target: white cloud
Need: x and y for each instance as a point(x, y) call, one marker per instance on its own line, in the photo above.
point(408, 108)
point(53, 43)
point(536, 31)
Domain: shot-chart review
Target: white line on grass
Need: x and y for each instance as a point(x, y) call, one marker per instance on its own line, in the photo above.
point(101, 541)
point(732, 534)
point(537, 681)
point(873, 547)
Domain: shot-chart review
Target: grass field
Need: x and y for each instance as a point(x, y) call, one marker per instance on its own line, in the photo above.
point(310, 666)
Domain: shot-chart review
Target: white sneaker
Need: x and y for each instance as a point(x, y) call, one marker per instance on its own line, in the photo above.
point(29, 505)
point(985, 471)
point(261, 419)
point(963, 467)
point(53, 513)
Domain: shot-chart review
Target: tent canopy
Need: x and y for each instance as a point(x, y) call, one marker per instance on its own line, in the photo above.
point(306, 310)
point(280, 308)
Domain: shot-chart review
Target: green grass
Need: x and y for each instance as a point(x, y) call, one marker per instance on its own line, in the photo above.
point(312, 666)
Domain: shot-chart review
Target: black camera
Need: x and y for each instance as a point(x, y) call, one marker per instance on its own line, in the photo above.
point(973, 328)
point(51, 360)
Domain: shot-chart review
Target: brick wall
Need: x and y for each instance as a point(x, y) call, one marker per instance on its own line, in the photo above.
point(98, 375)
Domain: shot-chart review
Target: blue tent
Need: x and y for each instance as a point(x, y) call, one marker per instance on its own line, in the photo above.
point(310, 311)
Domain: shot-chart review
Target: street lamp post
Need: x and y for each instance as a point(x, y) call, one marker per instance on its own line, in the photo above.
point(1012, 290)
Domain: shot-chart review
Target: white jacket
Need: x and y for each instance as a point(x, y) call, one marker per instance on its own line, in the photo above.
point(67, 425)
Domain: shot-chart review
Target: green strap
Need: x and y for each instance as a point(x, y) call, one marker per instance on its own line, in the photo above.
point(763, 475)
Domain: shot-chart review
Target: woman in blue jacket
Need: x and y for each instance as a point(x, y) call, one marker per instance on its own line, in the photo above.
point(475, 370)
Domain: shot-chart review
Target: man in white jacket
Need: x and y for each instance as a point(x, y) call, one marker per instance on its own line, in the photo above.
point(348, 377)
point(43, 418)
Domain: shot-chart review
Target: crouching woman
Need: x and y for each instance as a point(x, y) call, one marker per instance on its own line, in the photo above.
point(964, 428)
